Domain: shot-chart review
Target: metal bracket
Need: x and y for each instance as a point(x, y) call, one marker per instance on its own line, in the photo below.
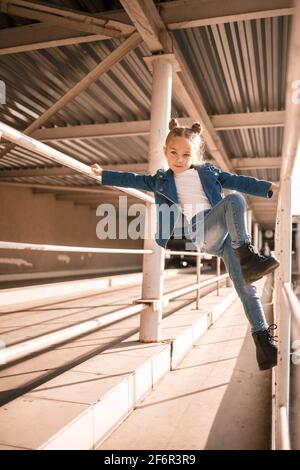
point(156, 303)
point(169, 57)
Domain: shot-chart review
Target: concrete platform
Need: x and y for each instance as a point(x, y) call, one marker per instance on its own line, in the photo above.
point(80, 407)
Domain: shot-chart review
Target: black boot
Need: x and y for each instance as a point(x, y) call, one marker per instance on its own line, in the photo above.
point(266, 352)
point(254, 266)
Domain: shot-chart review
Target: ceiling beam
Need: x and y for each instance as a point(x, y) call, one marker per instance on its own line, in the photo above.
point(180, 14)
point(40, 36)
point(65, 171)
point(136, 128)
point(196, 13)
point(114, 57)
point(226, 122)
point(256, 163)
point(64, 18)
point(112, 129)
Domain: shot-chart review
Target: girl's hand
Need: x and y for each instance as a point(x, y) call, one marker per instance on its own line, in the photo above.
point(97, 169)
point(275, 187)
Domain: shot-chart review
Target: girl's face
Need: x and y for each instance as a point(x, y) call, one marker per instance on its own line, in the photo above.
point(180, 154)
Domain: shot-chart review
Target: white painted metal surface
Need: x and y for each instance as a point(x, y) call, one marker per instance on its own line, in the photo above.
point(153, 265)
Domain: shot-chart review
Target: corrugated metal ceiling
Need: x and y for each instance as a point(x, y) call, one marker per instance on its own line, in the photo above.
point(239, 67)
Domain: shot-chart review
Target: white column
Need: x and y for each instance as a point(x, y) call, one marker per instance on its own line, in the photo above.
point(298, 248)
point(283, 246)
point(260, 239)
point(255, 234)
point(249, 221)
point(153, 265)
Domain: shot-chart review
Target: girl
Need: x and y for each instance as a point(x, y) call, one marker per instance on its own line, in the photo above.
point(193, 189)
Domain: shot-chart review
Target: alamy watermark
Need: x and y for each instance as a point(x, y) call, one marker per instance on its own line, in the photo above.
point(162, 221)
point(2, 92)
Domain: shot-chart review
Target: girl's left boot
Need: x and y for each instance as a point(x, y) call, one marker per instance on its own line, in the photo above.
point(266, 352)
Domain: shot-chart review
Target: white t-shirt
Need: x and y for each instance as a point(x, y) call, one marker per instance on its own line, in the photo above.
point(191, 195)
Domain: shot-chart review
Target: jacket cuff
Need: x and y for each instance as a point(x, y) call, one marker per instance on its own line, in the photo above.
point(107, 177)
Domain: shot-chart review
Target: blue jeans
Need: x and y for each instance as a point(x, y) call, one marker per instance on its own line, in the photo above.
point(225, 229)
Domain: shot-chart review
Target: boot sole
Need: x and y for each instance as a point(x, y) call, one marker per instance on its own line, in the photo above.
point(266, 366)
point(249, 279)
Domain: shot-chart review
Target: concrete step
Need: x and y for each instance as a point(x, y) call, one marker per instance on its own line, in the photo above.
point(19, 298)
point(80, 407)
point(216, 398)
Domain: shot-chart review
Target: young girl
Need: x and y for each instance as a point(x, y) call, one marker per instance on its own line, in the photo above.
point(191, 183)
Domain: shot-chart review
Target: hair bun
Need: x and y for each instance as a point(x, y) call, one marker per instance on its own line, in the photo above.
point(197, 128)
point(173, 123)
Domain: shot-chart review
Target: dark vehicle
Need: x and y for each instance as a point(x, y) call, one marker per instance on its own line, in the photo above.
point(186, 261)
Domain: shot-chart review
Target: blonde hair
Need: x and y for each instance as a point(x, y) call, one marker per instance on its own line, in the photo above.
point(193, 133)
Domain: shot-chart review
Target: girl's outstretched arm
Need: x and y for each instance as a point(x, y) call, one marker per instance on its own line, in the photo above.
point(125, 179)
point(245, 184)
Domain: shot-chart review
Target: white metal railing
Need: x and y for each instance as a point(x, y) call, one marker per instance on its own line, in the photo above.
point(74, 249)
point(281, 422)
point(26, 348)
point(33, 145)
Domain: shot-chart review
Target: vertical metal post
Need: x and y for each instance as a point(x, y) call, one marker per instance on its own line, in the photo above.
point(260, 239)
point(298, 247)
point(283, 250)
point(218, 274)
point(249, 221)
point(255, 234)
point(198, 268)
point(153, 265)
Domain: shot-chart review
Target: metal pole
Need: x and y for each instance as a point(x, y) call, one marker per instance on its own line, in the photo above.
point(198, 268)
point(153, 265)
point(249, 221)
point(298, 248)
point(260, 238)
point(255, 235)
point(218, 274)
point(283, 275)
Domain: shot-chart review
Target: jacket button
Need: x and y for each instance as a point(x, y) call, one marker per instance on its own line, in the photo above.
point(161, 189)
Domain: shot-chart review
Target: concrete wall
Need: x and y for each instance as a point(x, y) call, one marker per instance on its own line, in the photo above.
point(40, 218)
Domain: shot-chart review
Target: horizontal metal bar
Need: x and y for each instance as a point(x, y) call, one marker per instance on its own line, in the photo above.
point(13, 353)
point(33, 145)
point(86, 249)
point(78, 249)
point(186, 290)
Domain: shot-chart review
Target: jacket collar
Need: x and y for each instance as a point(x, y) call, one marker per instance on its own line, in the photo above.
point(169, 185)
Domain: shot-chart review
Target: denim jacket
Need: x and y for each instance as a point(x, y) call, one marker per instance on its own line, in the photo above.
point(162, 184)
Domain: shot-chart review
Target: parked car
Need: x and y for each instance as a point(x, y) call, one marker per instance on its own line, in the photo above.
point(186, 261)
